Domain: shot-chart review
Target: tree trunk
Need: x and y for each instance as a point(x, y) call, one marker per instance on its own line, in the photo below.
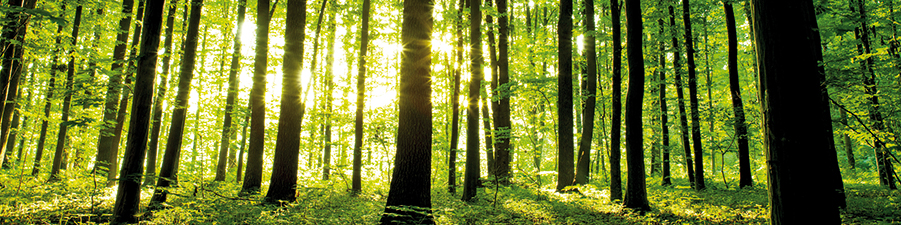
point(62, 137)
point(328, 81)
point(744, 155)
point(123, 103)
point(410, 185)
point(238, 172)
point(616, 183)
point(693, 99)
point(39, 153)
point(356, 184)
point(128, 196)
point(503, 126)
point(8, 50)
point(846, 141)
point(13, 66)
point(565, 156)
point(227, 131)
point(492, 63)
point(287, 145)
point(105, 141)
point(169, 169)
point(800, 154)
point(584, 163)
point(471, 176)
point(455, 120)
point(157, 114)
point(636, 192)
point(683, 121)
point(664, 125)
point(254, 172)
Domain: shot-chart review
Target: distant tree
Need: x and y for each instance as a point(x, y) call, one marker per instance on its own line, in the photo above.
point(591, 56)
point(239, 170)
point(455, 103)
point(664, 125)
point(227, 129)
point(616, 183)
point(683, 121)
point(800, 153)
point(254, 172)
point(693, 99)
point(356, 184)
point(105, 141)
point(157, 114)
point(169, 170)
point(409, 198)
point(738, 109)
point(128, 196)
point(636, 191)
point(329, 83)
point(62, 137)
point(471, 176)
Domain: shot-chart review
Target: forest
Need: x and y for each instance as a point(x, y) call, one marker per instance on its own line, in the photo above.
point(450, 112)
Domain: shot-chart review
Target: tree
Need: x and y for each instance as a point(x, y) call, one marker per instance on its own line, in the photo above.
point(502, 121)
point(13, 67)
point(157, 114)
point(361, 98)
point(328, 82)
point(800, 153)
point(123, 102)
point(169, 169)
point(565, 96)
point(227, 130)
point(616, 183)
point(471, 176)
point(664, 126)
point(410, 185)
point(683, 121)
point(636, 192)
point(254, 172)
point(104, 142)
point(128, 196)
point(67, 102)
point(455, 103)
point(693, 99)
point(584, 163)
point(738, 109)
point(287, 145)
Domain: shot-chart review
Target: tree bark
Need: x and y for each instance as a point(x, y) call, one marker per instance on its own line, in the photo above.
point(455, 120)
point(105, 141)
point(584, 163)
point(356, 184)
point(254, 172)
point(169, 170)
point(157, 114)
point(62, 137)
point(800, 154)
point(683, 121)
point(126, 91)
point(128, 196)
point(636, 192)
point(503, 126)
point(410, 185)
point(565, 156)
point(744, 155)
point(664, 125)
point(13, 66)
point(471, 176)
point(227, 130)
point(693, 99)
point(616, 188)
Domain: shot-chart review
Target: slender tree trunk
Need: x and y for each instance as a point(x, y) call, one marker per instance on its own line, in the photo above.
point(227, 130)
point(616, 188)
point(664, 125)
point(327, 104)
point(39, 153)
point(503, 125)
point(157, 114)
point(471, 176)
point(169, 169)
point(693, 98)
point(410, 185)
point(8, 50)
point(238, 172)
point(492, 63)
point(455, 120)
point(62, 137)
point(126, 91)
point(356, 184)
point(846, 141)
point(12, 70)
point(744, 156)
point(584, 156)
point(800, 152)
point(110, 107)
point(683, 121)
point(128, 196)
point(254, 172)
point(636, 192)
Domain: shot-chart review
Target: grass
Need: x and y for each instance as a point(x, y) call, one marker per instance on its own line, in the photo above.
point(76, 200)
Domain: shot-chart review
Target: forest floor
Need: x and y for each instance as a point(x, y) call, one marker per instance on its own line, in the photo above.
point(81, 200)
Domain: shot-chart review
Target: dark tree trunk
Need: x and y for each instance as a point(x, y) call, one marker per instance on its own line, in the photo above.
point(169, 170)
point(616, 183)
point(110, 107)
point(565, 173)
point(238, 172)
point(486, 122)
point(455, 120)
point(664, 120)
point(471, 176)
point(8, 50)
point(356, 184)
point(486, 119)
point(584, 163)
point(62, 137)
point(126, 91)
point(800, 154)
point(636, 191)
point(13, 65)
point(683, 121)
point(503, 148)
point(744, 155)
point(410, 185)
point(157, 114)
point(254, 172)
point(128, 197)
point(287, 145)
point(227, 130)
point(693, 99)
point(39, 153)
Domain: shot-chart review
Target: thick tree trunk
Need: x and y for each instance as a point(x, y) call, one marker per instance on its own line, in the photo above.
point(744, 155)
point(616, 183)
point(664, 117)
point(128, 196)
point(62, 137)
point(110, 107)
point(636, 191)
point(565, 173)
point(254, 172)
point(584, 156)
point(356, 184)
point(157, 114)
point(800, 154)
point(410, 185)
point(169, 169)
point(126, 91)
point(683, 121)
point(471, 176)
point(503, 126)
point(227, 130)
point(693, 99)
